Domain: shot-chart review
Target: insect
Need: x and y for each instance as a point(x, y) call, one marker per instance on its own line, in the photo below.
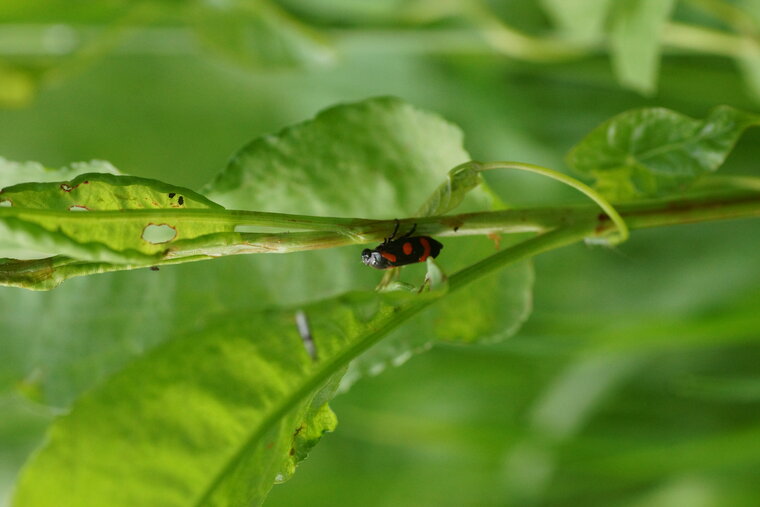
point(405, 250)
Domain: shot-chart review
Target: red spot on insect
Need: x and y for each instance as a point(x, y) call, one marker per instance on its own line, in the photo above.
point(407, 248)
point(426, 249)
point(389, 256)
point(86, 182)
point(270, 445)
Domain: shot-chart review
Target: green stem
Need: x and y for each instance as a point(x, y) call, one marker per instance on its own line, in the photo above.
point(525, 250)
point(567, 180)
point(586, 219)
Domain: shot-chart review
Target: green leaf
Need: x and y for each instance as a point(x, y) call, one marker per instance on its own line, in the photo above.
point(60, 219)
point(580, 20)
point(655, 151)
point(450, 194)
point(635, 40)
point(378, 158)
point(259, 34)
point(214, 417)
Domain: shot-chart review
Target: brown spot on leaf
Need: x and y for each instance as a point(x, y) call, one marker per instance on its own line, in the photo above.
point(496, 238)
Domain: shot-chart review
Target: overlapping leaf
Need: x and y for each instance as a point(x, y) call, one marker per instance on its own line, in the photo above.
point(398, 173)
point(378, 158)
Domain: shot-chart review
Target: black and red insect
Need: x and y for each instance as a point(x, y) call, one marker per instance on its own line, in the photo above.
point(405, 250)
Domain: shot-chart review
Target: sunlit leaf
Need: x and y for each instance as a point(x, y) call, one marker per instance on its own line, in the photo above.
point(42, 220)
point(237, 404)
point(378, 158)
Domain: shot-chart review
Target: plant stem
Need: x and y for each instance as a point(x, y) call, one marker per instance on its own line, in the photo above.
point(567, 221)
point(572, 182)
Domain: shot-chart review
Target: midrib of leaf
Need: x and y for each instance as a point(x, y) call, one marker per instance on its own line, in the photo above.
point(313, 382)
point(232, 217)
point(667, 147)
point(699, 136)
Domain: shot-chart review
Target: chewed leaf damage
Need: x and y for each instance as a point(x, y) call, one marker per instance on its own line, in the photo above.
point(159, 233)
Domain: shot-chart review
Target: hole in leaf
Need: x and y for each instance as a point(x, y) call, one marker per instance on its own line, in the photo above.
point(6, 203)
point(66, 187)
point(161, 233)
point(76, 207)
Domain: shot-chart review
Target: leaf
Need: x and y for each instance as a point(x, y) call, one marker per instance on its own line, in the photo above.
point(39, 222)
point(372, 159)
point(391, 156)
point(106, 192)
point(635, 40)
point(212, 418)
point(580, 20)
point(656, 151)
point(259, 34)
point(450, 194)
point(378, 158)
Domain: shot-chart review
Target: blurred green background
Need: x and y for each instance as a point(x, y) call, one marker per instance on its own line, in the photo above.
point(636, 380)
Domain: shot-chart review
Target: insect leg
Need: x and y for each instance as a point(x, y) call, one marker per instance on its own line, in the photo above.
point(393, 235)
point(411, 231)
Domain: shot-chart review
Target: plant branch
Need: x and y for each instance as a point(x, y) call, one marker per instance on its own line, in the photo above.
point(329, 232)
